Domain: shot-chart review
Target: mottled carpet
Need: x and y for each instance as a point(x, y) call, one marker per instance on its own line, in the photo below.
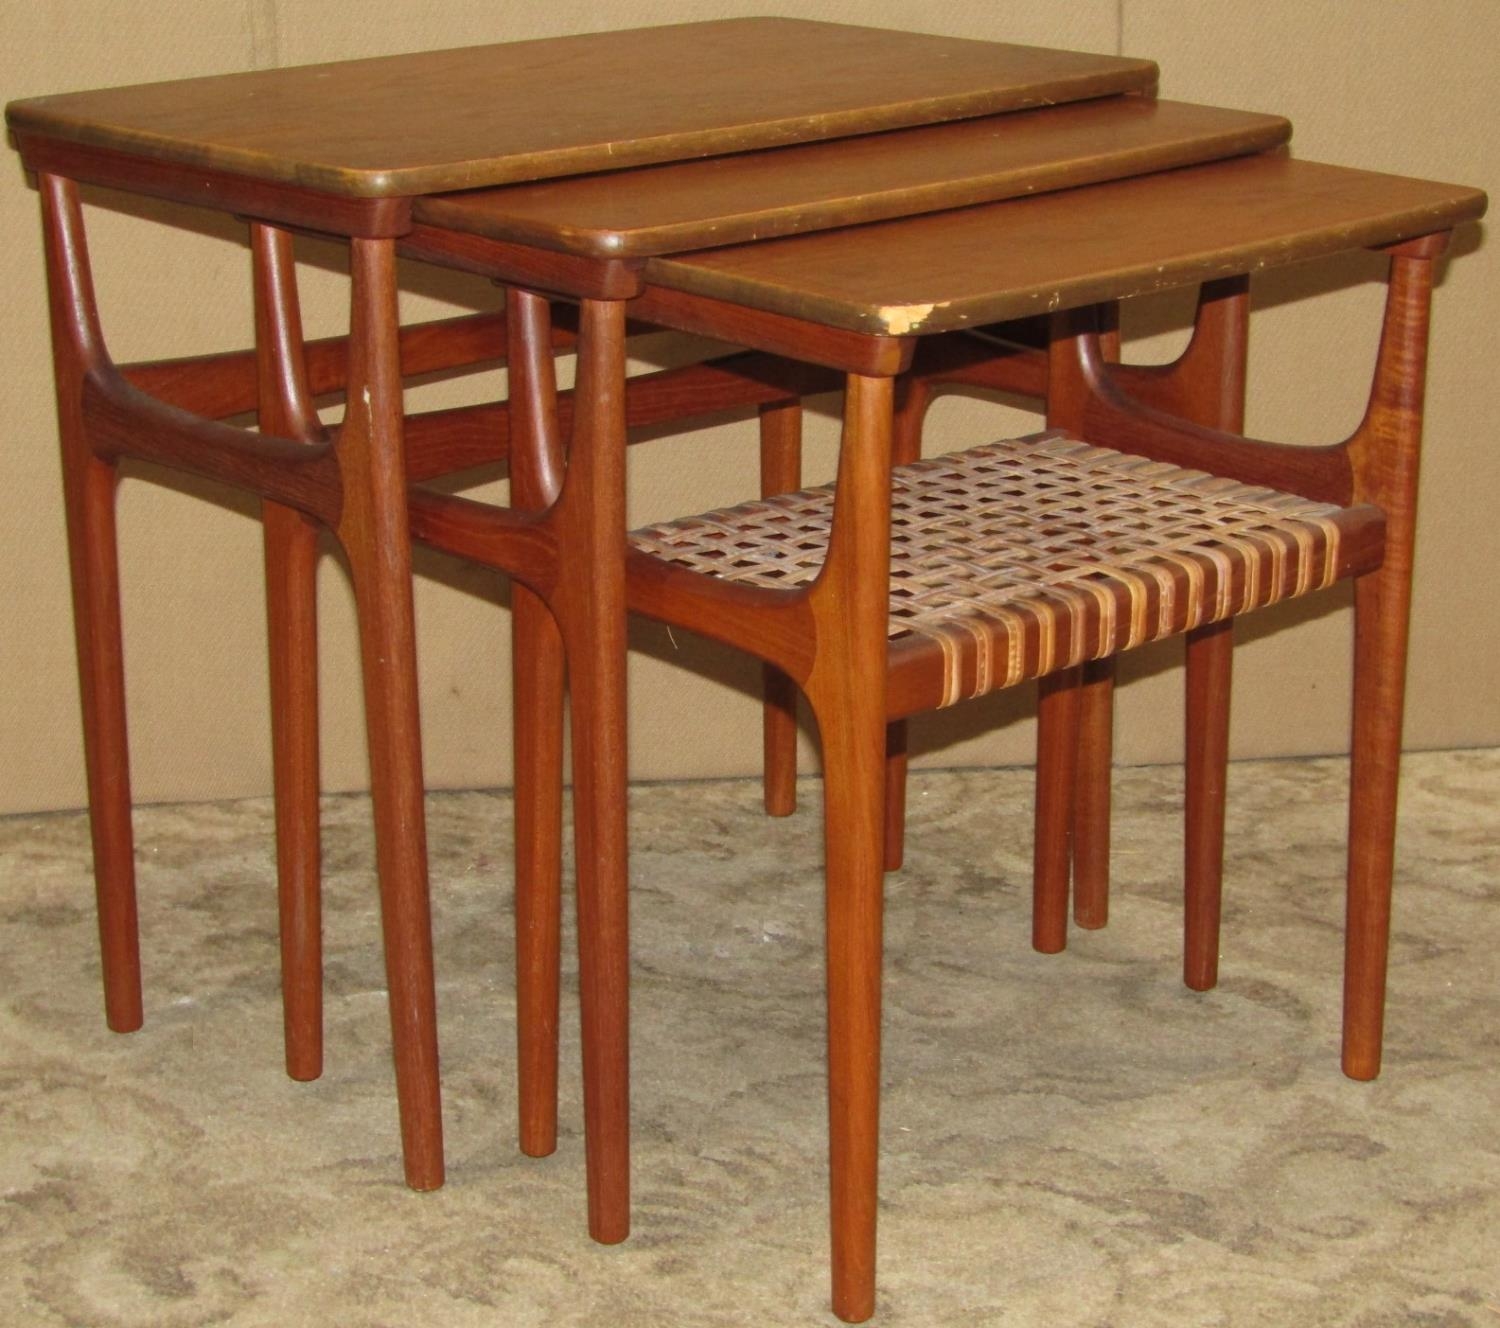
point(1067, 1140)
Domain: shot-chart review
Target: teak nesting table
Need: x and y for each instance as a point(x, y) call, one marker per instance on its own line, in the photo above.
point(377, 151)
point(345, 149)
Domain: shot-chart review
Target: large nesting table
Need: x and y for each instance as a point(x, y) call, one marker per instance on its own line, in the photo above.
point(346, 149)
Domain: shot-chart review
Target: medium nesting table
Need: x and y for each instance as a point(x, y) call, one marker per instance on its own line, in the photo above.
point(804, 583)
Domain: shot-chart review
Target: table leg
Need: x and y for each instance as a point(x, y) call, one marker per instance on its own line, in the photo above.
point(1385, 455)
point(1057, 727)
point(89, 501)
point(1210, 386)
point(571, 553)
point(847, 692)
point(1382, 603)
point(537, 670)
point(1210, 659)
point(373, 531)
point(291, 553)
point(285, 410)
point(1091, 794)
point(589, 603)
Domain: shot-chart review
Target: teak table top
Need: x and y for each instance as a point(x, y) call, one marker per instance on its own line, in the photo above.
point(1106, 241)
point(758, 195)
point(405, 125)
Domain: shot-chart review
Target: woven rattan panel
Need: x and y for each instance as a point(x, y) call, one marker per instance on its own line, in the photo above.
point(1023, 557)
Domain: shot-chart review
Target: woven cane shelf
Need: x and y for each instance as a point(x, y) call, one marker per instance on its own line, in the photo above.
point(1023, 557)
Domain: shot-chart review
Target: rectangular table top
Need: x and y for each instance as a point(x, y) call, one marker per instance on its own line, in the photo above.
point(405, 125)
point(1062, 250)
point(813, 186)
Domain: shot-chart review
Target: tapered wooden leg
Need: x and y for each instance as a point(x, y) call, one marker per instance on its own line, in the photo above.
point(597, 691)
point(90, 500)
point(537, 666)
point(1381, 611)
point(590, 606)
point(89, 504)
point(285, 410)
point(537, 671)
point(373, 529)
point(1385, 454)
point(1210, 659)
point(1382, 456)
point(1056, 772)
point(780, 472)
point(779, 741)
point(291, 542)
point(1091, 800)
point(853, 772)
point(847, 692)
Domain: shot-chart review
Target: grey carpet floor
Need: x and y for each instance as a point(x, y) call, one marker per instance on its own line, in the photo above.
point(1067, 1140)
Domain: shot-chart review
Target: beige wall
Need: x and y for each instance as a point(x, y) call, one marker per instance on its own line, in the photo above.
point(1401, 87)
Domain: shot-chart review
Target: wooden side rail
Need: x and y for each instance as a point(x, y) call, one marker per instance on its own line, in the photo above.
point(218, 386)
point(120, 421)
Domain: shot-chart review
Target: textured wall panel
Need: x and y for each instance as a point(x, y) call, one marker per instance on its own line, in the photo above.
point(1408, 93)
point(1407, 89)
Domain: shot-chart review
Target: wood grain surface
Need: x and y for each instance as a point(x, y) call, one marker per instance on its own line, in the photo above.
point(748, 196)
point(483, 115)
point(1026, 256)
